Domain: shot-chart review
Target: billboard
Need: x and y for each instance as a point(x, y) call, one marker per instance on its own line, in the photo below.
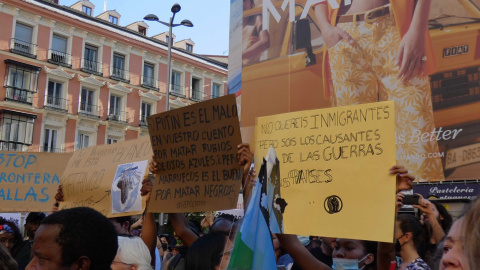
point(301, 55)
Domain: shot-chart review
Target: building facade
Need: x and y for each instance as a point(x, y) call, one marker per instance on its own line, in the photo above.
point(72, 80)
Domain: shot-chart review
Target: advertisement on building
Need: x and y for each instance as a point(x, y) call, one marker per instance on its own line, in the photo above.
point(300, 55)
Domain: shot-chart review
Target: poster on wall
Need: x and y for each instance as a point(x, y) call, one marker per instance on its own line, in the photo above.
point(292, 57)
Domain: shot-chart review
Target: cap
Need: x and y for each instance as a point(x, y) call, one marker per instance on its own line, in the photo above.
point(35, 216)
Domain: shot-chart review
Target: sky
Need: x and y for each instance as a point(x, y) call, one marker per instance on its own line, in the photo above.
point(211, 21)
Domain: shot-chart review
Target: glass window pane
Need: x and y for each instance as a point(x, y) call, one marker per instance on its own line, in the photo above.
point(59, 44)
point(23, 32)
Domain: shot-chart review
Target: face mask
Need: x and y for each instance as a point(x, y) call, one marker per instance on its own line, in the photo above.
point(398, 247)
point(347, 264)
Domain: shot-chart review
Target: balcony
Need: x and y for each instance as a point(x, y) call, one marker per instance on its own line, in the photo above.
point(149, 83)
point(90, 110)
point(59, 58)
point(177, 90)
point(51, 149)
point(13, 146)
point(18, 95)
point(116, 115)
point(92, 67)
point(56, 103)
point(119, 74)
point(143, 120)
point(197, 96)
point(23, 48)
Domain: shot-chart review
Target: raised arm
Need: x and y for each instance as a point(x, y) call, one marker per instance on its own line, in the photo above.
point(300, 254)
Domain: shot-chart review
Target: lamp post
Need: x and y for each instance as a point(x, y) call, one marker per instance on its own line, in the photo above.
point(151, 17)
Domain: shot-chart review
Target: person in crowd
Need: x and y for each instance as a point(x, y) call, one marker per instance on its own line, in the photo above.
point(206, 253)
point(323, 253)
point(410, 236)
point(6, 260)
point(32, 222)
point(461, 249)
point(77, 238)
point(11, 239)
point(132, 253)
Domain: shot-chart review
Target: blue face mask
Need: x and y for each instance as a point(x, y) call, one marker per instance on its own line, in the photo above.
point(347, 264)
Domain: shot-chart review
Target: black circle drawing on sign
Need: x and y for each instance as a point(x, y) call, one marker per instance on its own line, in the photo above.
point(333, 204)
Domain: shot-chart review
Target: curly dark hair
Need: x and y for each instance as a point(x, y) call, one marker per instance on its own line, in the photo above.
point(85, 232)
point(16, 233)
point(446, 220)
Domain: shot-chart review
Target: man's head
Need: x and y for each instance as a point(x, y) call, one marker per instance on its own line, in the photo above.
point(32, 222)
point(76, 238)
point(121, 224)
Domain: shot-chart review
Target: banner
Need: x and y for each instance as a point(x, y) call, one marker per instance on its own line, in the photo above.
point(107, 178)
point(29, 180)
point(196, 151)
point(329, 165)
point(288, 65)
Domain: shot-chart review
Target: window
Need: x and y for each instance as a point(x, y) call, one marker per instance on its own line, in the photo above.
point(22, 43)
point(58, 52)
point(215, 90)
point(83, 140)
point(146, 112)
point(167, 38)
point(87, 10)
point(142, 30)
point(115, 111)
point(21, 81)
point(111, 140)
point(113, 19)
point(90, 59)
point(189, 48)
point(55, 95)
point(16, 131)
point(175, 81)
point(50, 140)
point(148, 74)
point(119, 66)
point(87, 104)
point(197, 92)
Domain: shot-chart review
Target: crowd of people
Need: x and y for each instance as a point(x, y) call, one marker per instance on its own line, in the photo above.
point(82, 238)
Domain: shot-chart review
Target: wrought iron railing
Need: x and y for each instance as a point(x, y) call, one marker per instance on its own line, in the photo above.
point(24, 48)
point(18, 95)
point(149, 82)
point(197, 95)
point(59, 58)
point(56, 103)
point(177, 90)
point(116, 115)
point(119, 74)
point(91, 66)
point(89, 109)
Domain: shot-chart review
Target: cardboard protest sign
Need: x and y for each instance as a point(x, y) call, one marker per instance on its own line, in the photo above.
point(29, 180)
point(196, 151)
point(330, 166)
point(107, 178)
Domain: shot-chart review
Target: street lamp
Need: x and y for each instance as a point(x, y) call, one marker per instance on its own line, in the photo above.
point(151, 17)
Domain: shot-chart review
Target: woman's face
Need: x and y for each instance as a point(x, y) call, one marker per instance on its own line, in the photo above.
point(454, 256)
point(247, 4)
point(7, 240)
point(349, 249)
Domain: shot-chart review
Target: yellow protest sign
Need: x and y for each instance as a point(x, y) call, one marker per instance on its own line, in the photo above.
point(29, 180)
point(196, 151)
point(329, 167)
point(107, 178)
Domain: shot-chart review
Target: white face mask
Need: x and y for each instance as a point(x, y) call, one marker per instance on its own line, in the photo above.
point(347, 264)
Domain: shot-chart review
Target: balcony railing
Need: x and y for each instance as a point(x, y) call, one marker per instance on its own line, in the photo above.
point(197, 96)
point(91, 66)
point(119, 74)
point(143, 120)
point(18, 95)
point(59, 58)
point(24, 48)
point(13, 146)
point(56, 103)
point(116, 115)
point(51, 149)
point(177, 90)
point(149, 82)
point(89, 110)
